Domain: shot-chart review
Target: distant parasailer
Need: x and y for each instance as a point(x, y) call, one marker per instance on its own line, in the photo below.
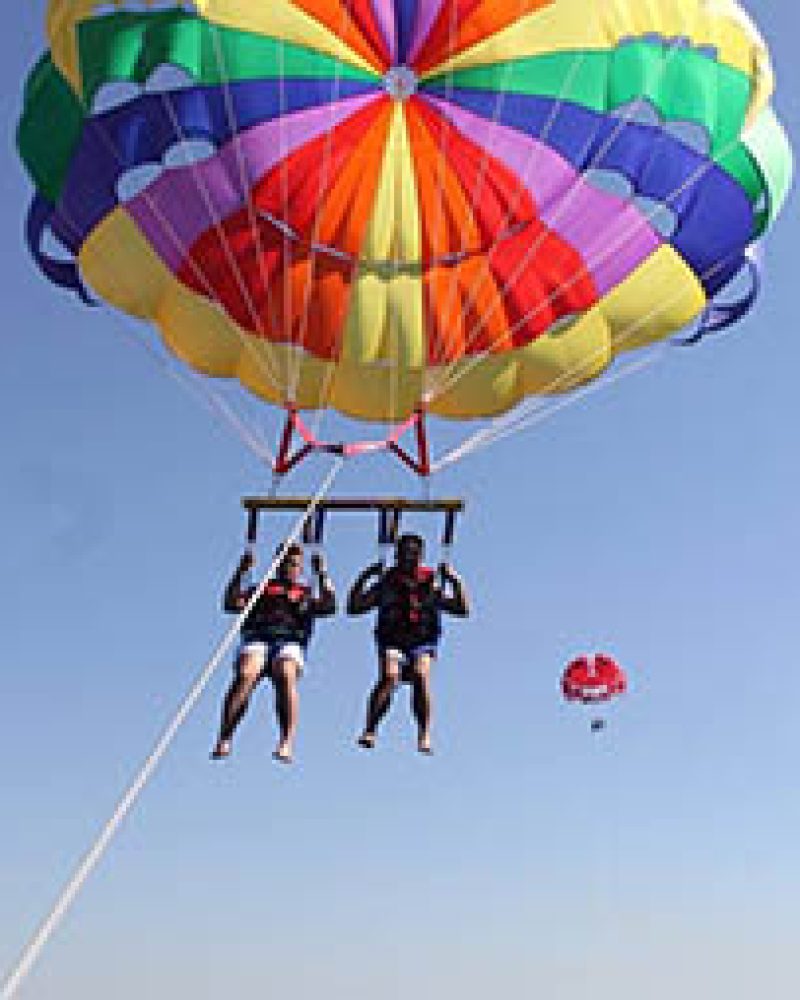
point(594, 680)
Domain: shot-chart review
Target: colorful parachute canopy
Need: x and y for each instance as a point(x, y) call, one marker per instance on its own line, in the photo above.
point(370, 204)
point(593, 679)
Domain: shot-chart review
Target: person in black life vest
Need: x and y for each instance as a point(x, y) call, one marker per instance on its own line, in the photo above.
point(409, 602)
point(275, 637)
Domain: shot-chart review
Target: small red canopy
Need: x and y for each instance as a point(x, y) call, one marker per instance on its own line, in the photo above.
point(593, 679)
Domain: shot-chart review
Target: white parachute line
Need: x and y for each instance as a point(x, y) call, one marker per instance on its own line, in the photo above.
point(607, 252)
point(440, 160)
point(202, 189)
point(472, 446)
point(296, 375)
point(327, 382)
point(393, 334)
point(197, 385)
point(168, 230)
point(285, 275)
point(425, 346)
point(537, 410)
point(529, 413)
point(533, 157)
point(193, 382)
point(565, 203)
point(94, 855)
point(230, 112)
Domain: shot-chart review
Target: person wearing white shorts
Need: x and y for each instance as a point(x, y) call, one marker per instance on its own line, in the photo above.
point(267, 653)
point(275, 638)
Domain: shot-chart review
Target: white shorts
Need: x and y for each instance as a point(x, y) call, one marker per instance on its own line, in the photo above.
point(269, 652)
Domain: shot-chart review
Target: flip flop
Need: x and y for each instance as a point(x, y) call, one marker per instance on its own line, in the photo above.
point(282, 757)
point(221, 750)
point(367, 741)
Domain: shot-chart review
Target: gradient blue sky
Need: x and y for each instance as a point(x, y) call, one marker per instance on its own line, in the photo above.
point(657, 520)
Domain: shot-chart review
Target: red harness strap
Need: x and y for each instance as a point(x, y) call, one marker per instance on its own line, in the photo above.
point(287, 458)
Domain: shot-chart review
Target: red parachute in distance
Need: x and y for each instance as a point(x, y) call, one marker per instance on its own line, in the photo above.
point(594, 680)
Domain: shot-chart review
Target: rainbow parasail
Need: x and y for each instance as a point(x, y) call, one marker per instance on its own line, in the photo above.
point(377, 205)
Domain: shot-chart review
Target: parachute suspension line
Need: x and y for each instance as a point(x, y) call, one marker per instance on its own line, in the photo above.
point(214, 402)
point(693, 179)
point(531, 163)
point(393, 344)
point(493, 435)
point(418, 462)
point(247, 197)
point(530, 166)
point(285, 276)
point(179, 245)
point(392, 323)
point(327, 382)
point(427, 353)
point(195, 385)
point(444, 134)
point(446, 382)
point(294, 382)
point(293, 377)
point(537, 410)
point(263, 361)
point(230, 258)
point(95, 854)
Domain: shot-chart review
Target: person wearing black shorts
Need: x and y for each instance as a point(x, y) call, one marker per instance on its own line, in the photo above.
point(410, 602)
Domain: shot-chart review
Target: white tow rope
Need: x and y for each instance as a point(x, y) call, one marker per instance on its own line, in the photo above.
point(94, 855)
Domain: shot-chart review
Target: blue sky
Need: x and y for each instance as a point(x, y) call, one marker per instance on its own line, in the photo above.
point(657, 520)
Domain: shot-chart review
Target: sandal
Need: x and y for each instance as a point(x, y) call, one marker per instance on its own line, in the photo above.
point(221, 750)
point(282, 755)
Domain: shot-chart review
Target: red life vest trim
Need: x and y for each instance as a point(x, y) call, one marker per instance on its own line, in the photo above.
point(295, 593)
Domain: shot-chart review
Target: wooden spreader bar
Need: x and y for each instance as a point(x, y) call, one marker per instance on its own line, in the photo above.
point(389, 509)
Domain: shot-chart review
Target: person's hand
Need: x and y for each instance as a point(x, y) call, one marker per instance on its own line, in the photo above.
point(247, 561)
point(318, 564)
point(446, 572)
point(376, 569)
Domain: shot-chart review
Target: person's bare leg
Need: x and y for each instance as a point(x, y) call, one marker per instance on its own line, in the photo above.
point(421, 701)
point(237, 700)
point(380, 699)
point(284, 679)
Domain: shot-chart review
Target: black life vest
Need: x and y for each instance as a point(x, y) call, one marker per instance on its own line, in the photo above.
point(282, 613)
point(408, 613)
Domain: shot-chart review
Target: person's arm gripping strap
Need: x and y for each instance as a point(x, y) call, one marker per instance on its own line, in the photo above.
point(324, 604)
point(365, 596)
point(457, 603)
point(235, 597)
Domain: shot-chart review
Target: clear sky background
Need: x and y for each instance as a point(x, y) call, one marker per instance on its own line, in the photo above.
point(657, 520)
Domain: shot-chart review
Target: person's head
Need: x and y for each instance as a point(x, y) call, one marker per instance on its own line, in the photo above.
point(409, 552)
point(291, 566)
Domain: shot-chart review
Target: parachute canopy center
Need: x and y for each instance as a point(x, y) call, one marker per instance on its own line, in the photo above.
point(400, 83)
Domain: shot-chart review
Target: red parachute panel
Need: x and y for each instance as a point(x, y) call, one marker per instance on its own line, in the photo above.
point(593, 679)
